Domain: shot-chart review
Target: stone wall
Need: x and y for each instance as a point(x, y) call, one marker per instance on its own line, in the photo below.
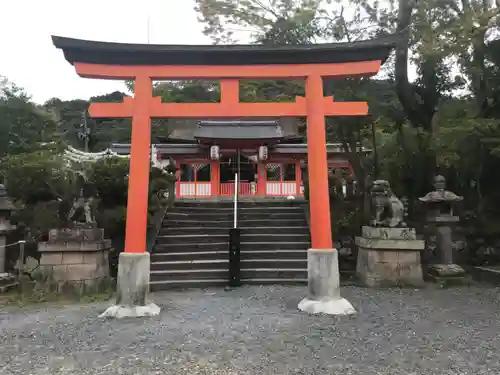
point(75, 259)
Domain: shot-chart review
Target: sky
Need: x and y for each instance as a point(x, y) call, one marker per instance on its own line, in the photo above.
point(29, 59)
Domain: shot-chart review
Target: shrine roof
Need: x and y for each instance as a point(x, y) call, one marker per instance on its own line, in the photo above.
point(94, 52)
point(238, 130)
point(197, 150)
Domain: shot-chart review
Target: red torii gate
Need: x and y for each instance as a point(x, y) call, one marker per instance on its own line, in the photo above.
point(228, 64)
point(144, 106)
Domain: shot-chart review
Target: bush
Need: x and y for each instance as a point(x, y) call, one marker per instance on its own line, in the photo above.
point(346, 213)
point(34, 177)
point(110, 179)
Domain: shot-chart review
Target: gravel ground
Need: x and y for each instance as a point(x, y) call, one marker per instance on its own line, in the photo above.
point(258, 330)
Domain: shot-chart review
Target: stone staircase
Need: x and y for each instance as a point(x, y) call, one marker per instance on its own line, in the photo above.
point(191, 249)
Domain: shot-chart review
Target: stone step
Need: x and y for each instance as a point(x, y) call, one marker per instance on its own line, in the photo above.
point(225, 216)
point(180, 222)
point(230, 209)
point(274, 273)
point(275, 245)
point(217, 264)
point(184, 256)
point(176, 239)
point(228, 223)
point(274, 237)
point(242, 202)
point(220, 274)
point(192, 264)
point(190, 247)
point(224, 255)
point(274, 281)
point(281, 254)
point(225, 230)
point(190, 274)
point(180, 239)
point(269, 215)
point(162, 285)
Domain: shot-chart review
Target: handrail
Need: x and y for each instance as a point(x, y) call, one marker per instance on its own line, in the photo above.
point(236, 191)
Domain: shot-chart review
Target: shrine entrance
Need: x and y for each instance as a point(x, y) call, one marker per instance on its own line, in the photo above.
point(246, 169)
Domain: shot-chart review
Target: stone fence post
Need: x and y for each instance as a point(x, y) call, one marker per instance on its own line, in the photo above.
point(6, 208)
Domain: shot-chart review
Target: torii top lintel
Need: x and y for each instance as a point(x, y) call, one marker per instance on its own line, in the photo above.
point(127, 61)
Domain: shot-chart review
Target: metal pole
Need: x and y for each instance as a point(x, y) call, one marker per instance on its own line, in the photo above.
point(20, 268)
point(85, 131)
point(149, 21)
point(236, 182)
point(375, 154)
point(239, 161)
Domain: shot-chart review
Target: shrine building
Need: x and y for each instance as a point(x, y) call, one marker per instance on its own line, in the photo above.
point(267, 155)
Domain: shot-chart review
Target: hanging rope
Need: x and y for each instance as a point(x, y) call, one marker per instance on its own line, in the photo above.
point(13, 244)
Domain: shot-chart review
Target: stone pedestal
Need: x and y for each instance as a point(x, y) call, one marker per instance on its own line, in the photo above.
point(324, 285)
point(389, 257)
point(132, 288)
point(444, 269)
point(76, 257)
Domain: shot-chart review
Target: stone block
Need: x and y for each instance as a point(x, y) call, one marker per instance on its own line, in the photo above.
point(388, 233)
point(76, 235)
point(92, 257)
point(446, 270)
point(133, 279)
point(57, 273)
point(75, 255)
point(71, 257)
point(385, 261)
point(50, 259)
point(77, 272)
point(390, 244)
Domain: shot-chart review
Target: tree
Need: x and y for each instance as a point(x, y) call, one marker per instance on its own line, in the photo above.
point(24, 126)
point(279, 22)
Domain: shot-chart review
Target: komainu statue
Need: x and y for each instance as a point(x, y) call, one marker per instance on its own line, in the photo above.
point(388, 210)
point(83, 200)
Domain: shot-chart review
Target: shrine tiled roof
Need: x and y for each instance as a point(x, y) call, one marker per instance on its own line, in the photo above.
point(238, 130)
point(86, 51)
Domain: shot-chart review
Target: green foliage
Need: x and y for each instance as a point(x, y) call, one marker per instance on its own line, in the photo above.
point(35, 176)
point(24, 126)
point(110, 178)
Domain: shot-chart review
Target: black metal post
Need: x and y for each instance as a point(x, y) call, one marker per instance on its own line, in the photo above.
point(234, 257)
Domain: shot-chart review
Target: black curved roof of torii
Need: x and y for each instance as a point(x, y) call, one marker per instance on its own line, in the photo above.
point(86, 51)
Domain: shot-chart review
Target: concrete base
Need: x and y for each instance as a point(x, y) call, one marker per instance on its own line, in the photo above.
point(119, 312)
point(324, 285)
point(132, 288)
point(339, 306)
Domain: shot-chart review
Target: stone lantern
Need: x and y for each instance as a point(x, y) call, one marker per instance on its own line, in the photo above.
point(439, 207)
point(6, 208)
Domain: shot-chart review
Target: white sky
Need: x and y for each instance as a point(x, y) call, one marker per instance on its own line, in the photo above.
point(29, 59)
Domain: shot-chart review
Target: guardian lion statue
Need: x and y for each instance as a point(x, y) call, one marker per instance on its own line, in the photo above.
point(387, 209)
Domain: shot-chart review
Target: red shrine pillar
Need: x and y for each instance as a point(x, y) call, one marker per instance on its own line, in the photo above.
point(319, 199)
point(322, 258)
point(140, 164)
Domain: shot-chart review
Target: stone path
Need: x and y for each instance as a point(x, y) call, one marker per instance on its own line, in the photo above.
point(258, 330)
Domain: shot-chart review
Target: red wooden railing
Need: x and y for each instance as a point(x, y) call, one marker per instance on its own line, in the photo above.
point(227, 188)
